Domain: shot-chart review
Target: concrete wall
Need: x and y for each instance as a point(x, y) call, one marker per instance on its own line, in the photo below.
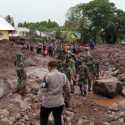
point(4, 35)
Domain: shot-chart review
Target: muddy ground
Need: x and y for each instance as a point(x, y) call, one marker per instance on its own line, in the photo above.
point(24, 110)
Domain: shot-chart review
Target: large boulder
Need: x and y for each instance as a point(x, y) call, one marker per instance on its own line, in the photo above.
point(107, 87)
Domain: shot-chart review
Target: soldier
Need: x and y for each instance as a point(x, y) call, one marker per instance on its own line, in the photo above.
point(83, 73)
point(91, 67)
point(61, 66)
point(69, 74)
point(21, 74)
point(77, 63)
point(72, 68)
point(60, 54)
point(96, 65)
point(68, 55)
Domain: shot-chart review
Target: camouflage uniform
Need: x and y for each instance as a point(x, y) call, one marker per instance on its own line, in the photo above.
point(96, 70)
point(67, 56)
point(60, 55)
point(67, 93)
point(21, 74)
point(72, 68)
point(91, 67)
point(83, 78)
point(61, 66)
point(69, 74)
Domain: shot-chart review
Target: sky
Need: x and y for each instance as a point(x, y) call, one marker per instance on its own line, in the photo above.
point(38, 10)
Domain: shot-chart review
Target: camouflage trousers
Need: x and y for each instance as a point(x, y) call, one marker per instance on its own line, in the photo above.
point(21, 80)
point(83, 88)
point(91, 82)
point(72, 86)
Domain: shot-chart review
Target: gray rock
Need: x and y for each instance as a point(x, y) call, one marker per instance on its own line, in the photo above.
point(121, 114)
point(80, 122)
point(121, 105)
point(18, 116)
point(12, 119)
point(5, 121)
point(4, 113)
point(114, 107)
point(107, 123)
point(107, 87)
point(121, 120)
point(29, 62)
point(123, 92)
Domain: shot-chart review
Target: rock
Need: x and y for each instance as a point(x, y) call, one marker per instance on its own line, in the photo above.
point(85, 122)
point(107, 123)
point(23, 104)
point(69, 115)
point(122, 77)
point(34, 88)
point(5, 121)
point(29, 62)
point(18, 116)
point(80, 122)
point(91, 123)
point(12, 119)
point(4, 88)
point(26, 117)
point(114, 107)
point(107, 87)
point(28, 100)
point(121, 105)
point(4, 113)
point(123, 92)
point(121, 120)
point(115, 73)
point(121, 114)
point(12, 83)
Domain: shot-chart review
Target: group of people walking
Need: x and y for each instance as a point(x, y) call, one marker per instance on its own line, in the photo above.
point(71, 68)
point(81, 69)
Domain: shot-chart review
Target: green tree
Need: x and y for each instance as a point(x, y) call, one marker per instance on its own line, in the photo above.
point(101, 15)
point(47, 26)
point(77, 22)
point(10, 20)
point(110, 33)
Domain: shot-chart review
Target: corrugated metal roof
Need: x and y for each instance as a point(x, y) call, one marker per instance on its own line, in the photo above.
point(4, 25)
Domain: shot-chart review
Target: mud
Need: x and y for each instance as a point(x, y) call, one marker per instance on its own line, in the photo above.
point(91, 110)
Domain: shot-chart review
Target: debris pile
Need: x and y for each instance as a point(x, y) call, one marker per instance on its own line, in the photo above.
point(113, 57)
point(16, 109)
